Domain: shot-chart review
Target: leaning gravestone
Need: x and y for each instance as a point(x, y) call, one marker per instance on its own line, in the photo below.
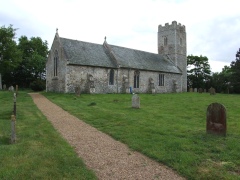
point(216, 119)
point(135, 101)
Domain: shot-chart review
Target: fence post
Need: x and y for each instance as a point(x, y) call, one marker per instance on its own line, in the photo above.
point(16, 90)
point(13, 129)
point(14, 104)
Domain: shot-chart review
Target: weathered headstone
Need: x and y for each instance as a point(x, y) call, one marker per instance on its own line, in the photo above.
point(151, 86)
point(205, 90)
point(77, 90)
point(195, 89)
point(200, 90)
point(135, 101)
point(4, 87)
point(212, 91)
point(216, 119)
point(11, 88)
point(175, 86)
point(191, 90)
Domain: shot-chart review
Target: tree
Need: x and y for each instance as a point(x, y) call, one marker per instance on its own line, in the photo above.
point(34, 55)
point(10, 56)
point(222, 81)
point(199, 72)
point(235, 76)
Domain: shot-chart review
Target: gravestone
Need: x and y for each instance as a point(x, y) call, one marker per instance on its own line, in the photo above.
point(152, 86)
point(125, 85)
point(11, 88)
point(4, 87)
point(175, 86)
point(200, 90)
point(205, 90)
point(212, 91)
point(135, 101)
point(191, 90)
point(77, 90)
point(216, 119)
point(195, 89)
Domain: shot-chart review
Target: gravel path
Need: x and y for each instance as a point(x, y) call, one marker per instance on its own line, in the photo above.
point(109, 159)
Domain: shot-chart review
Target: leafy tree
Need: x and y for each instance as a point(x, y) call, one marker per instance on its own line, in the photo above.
point(199, 72)
point(34, 55)
point(10, 55)
point(222, 81)
point(235, 76)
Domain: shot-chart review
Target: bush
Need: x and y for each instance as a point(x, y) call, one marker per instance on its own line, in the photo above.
point(38, 85)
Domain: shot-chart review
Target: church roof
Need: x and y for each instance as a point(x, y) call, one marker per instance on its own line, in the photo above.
point(90, 54)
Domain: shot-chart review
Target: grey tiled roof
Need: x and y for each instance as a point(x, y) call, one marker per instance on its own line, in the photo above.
point(90, 54)
point(85, 53)
point(130, 58)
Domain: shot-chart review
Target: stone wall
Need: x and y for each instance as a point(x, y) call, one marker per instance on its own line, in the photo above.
point(78, 76)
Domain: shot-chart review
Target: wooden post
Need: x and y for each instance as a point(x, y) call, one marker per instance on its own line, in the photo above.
point(13, 129)
point(14, 104)
point(16, 90)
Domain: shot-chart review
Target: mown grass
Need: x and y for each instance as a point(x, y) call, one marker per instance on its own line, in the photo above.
point(40, 151)
point(170, 128)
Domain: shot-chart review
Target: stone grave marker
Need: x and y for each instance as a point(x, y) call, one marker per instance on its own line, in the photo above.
point(135, 101)
point(216, 119)
point(77, 90)
point(195, 89)
point(212, 91)
point(11, 88)
point(4, 87)
point(191, 90)
point(200, 90)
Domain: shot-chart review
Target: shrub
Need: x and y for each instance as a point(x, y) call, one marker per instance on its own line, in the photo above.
point(38, 85)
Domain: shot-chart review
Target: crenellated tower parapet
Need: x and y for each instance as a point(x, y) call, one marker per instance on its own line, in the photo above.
point(172, 42)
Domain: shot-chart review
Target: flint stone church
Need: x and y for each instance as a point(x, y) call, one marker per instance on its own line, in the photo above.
point(106, 68)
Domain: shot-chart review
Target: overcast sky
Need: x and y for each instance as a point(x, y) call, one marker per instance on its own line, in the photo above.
point(212, 26)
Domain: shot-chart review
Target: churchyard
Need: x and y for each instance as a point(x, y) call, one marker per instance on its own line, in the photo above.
point(170, 128)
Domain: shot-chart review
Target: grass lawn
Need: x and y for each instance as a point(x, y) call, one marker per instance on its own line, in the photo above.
point(170, 128)
point(40, 151)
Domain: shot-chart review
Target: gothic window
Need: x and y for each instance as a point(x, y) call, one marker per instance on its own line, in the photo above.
point(136, 79)
point(111, 77)
point(55, 65)
point(161, 79)
point(165, 41)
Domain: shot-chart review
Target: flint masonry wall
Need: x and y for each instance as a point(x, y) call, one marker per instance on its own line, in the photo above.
point(78, 76)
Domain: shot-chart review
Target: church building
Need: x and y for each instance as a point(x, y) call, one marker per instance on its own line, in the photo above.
point(107, 68)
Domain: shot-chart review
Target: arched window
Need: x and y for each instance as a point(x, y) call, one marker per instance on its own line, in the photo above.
point(136, 79)
point(55, 65)
point(111, 77)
